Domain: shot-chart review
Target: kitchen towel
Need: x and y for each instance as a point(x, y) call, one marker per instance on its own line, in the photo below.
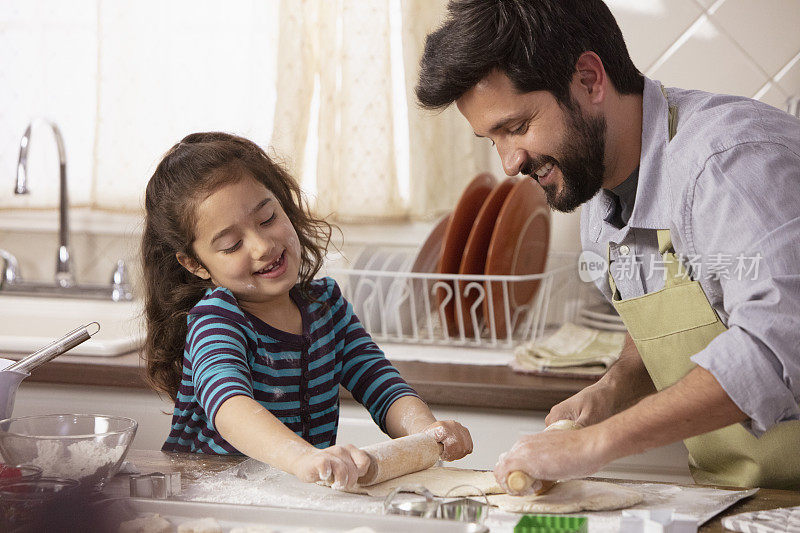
point(574, 349)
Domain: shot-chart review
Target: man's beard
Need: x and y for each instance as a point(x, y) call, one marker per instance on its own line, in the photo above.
point(581, 161)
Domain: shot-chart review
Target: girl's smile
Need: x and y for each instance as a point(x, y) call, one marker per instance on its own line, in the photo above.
point(245, 242)
point(274, 269)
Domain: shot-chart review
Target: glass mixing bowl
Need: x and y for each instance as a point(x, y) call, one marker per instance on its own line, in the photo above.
point(86, 448)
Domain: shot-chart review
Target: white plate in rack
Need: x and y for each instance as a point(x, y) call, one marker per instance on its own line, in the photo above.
point(398, 308)
point(370, 293)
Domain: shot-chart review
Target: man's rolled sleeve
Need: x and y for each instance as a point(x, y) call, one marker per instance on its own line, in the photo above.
point(745, 206)
point(751, 376)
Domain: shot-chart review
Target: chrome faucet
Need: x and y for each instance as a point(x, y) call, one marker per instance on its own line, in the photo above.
point(64, 276)
point(65, 285)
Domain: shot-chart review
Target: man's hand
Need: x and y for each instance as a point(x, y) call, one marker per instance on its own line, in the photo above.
point(694, 405)
point(453, 436)
point(593, 404)
point(554, 455)
point(625, 383)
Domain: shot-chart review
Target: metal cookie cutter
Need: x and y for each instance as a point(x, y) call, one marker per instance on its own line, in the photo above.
point(458, 509)
point(408, 505)
point(464, 509)
point(156, 485)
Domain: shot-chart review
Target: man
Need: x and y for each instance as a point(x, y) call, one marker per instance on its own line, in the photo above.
point(694, 194)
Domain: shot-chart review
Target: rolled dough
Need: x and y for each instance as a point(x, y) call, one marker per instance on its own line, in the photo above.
point(440, 480)
point(570, 497)
point(565, 497)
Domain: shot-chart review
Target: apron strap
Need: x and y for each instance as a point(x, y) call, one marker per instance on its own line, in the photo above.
point(615, 296)
point(672, 115)
point(675, 273)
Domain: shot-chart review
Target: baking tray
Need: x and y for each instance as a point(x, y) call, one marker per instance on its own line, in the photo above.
point(231, 515)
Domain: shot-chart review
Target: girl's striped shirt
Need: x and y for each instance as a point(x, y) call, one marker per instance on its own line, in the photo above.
point(230, 352)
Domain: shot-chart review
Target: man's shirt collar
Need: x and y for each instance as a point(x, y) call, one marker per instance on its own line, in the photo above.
point(652, 204)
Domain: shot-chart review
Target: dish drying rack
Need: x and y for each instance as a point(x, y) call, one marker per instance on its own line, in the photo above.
point(397, 305)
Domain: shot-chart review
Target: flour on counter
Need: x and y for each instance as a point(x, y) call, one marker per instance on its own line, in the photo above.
point(78, 460)
point(256, 483)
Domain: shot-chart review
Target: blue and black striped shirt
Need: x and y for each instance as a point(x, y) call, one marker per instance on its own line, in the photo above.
point(230, 352)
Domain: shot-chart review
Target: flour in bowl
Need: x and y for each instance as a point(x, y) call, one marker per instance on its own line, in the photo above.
point(78, 460)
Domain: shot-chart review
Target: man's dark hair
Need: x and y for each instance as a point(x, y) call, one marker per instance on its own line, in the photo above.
point(536, 43)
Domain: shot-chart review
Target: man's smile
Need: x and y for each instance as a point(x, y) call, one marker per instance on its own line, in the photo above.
point(545, 174)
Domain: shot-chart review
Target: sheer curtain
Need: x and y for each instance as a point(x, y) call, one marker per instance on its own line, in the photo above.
point(328, 83)
point(124, 81)
point(345, 46)
point(166, 69)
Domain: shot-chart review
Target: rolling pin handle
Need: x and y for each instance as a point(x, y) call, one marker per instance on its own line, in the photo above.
point(519, 482)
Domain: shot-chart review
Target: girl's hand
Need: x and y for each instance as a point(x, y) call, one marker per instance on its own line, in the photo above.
point(339, 465)
point(453, 436)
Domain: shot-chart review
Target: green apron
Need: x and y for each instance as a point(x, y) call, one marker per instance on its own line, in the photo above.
point(668, 327)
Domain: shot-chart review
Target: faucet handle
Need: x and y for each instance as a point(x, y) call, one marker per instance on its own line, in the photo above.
point(11, 273)
point(120, 288)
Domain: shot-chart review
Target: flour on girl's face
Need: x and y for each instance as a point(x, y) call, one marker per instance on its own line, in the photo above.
point(293, 244)
point(245, 240)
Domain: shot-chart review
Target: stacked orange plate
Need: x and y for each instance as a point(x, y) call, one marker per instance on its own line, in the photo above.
point(497, 228)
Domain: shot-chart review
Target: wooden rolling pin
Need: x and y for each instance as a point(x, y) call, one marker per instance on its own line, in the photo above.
point(397, 457)
point(519, 482)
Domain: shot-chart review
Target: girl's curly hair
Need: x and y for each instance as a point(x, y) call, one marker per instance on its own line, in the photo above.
point(189, 172)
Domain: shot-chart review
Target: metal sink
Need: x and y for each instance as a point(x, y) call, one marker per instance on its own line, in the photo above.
point(28, 323)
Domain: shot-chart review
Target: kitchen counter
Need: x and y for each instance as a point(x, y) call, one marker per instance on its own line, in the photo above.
point(456, 385)
point(192, 466)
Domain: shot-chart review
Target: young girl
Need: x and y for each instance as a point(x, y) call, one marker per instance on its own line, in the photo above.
point(248, 344)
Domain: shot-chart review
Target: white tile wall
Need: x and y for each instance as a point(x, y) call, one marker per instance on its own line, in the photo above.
point(707, 59)
point(638, 18)
point(789, 77)
point(744, 47)
point(762, 28)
